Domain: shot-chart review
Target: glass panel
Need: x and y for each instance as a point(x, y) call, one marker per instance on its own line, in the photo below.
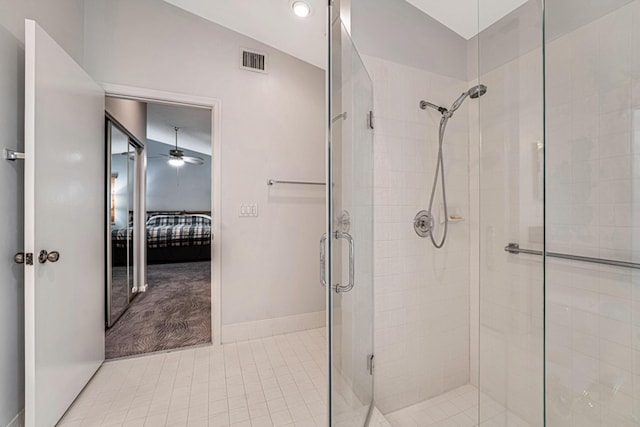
point(120, 198)
point(592, 80)
point(511, 210)
point(351, 234)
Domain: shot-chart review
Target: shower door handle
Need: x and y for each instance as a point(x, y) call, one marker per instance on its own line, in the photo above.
point(348, 238)
point(323, 260)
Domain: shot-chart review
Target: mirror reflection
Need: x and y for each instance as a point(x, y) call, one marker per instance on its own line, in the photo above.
point(121, 181)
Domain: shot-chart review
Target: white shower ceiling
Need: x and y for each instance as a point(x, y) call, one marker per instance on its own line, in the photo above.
point(463, 17)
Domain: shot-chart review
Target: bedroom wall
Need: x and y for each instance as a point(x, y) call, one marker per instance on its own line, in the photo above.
point(64, 21)
point(172, 189)
point(272, 127)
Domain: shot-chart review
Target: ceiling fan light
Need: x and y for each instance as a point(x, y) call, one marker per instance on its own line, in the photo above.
point(176, 161)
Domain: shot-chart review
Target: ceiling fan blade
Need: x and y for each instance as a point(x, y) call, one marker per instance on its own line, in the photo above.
point(193, 160)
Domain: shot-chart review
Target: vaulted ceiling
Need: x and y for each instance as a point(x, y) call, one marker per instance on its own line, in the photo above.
point(274, 23)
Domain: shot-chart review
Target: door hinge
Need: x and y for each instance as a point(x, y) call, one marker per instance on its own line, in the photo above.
point(370, 364)
point(370, 120)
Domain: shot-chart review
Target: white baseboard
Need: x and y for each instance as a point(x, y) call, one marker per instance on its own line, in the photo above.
point(270, 327)
point(18, 421)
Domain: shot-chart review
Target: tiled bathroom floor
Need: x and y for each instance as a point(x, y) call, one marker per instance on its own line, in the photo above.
point(456, 408)
point(276, 381)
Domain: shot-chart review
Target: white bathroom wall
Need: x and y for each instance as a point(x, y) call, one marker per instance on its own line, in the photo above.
point(63, 20)
point(421, 293)
point(272, 127)
point(11, 174)
point(593, 99)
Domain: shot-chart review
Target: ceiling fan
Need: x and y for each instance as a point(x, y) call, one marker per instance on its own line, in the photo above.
point(177, 157)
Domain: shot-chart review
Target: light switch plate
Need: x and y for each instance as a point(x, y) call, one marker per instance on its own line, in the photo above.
point(249, 210)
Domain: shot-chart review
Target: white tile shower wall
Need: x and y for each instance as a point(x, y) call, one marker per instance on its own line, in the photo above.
point(421, 293)
point(593, 345)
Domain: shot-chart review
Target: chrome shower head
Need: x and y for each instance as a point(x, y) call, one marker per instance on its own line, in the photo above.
point(477, 91)
point(474, 92)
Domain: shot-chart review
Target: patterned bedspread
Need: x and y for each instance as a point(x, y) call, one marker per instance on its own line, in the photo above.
point(165, 236)
point(164, 231)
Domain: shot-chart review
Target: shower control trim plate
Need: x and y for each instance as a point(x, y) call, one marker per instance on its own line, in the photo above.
point(423, 223)
point(344, 222)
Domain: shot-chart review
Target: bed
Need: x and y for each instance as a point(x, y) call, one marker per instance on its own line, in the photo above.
point(171, 237)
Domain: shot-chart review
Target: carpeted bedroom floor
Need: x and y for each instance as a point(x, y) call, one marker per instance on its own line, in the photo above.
point(174, 312)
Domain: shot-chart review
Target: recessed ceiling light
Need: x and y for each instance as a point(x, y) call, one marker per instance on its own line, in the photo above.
point(301, 9)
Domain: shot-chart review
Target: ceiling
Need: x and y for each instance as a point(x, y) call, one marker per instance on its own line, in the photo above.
point(462, 16)
point(271, 22)
point(194, 124)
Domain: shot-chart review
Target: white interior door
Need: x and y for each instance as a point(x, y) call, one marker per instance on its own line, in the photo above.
point(64, 212)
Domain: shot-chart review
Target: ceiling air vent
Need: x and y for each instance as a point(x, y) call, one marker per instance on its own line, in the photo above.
point(254, 61)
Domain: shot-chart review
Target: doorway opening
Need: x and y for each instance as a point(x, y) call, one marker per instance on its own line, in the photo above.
point(160, 292)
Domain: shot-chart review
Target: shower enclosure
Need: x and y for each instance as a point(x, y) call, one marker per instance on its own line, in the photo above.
point(528, 313)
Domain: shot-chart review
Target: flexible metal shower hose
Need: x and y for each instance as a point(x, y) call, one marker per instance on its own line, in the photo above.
point(440, 170)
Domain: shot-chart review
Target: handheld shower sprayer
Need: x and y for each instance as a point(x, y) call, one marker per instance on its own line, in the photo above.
point(473, 93)
point(423, 223)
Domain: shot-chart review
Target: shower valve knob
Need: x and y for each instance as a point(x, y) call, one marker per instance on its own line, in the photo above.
point(423, 223)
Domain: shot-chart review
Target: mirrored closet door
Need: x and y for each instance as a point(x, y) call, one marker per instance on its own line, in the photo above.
point(120, 222)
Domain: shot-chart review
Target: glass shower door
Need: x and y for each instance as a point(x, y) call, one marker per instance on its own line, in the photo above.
point(350, 231)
